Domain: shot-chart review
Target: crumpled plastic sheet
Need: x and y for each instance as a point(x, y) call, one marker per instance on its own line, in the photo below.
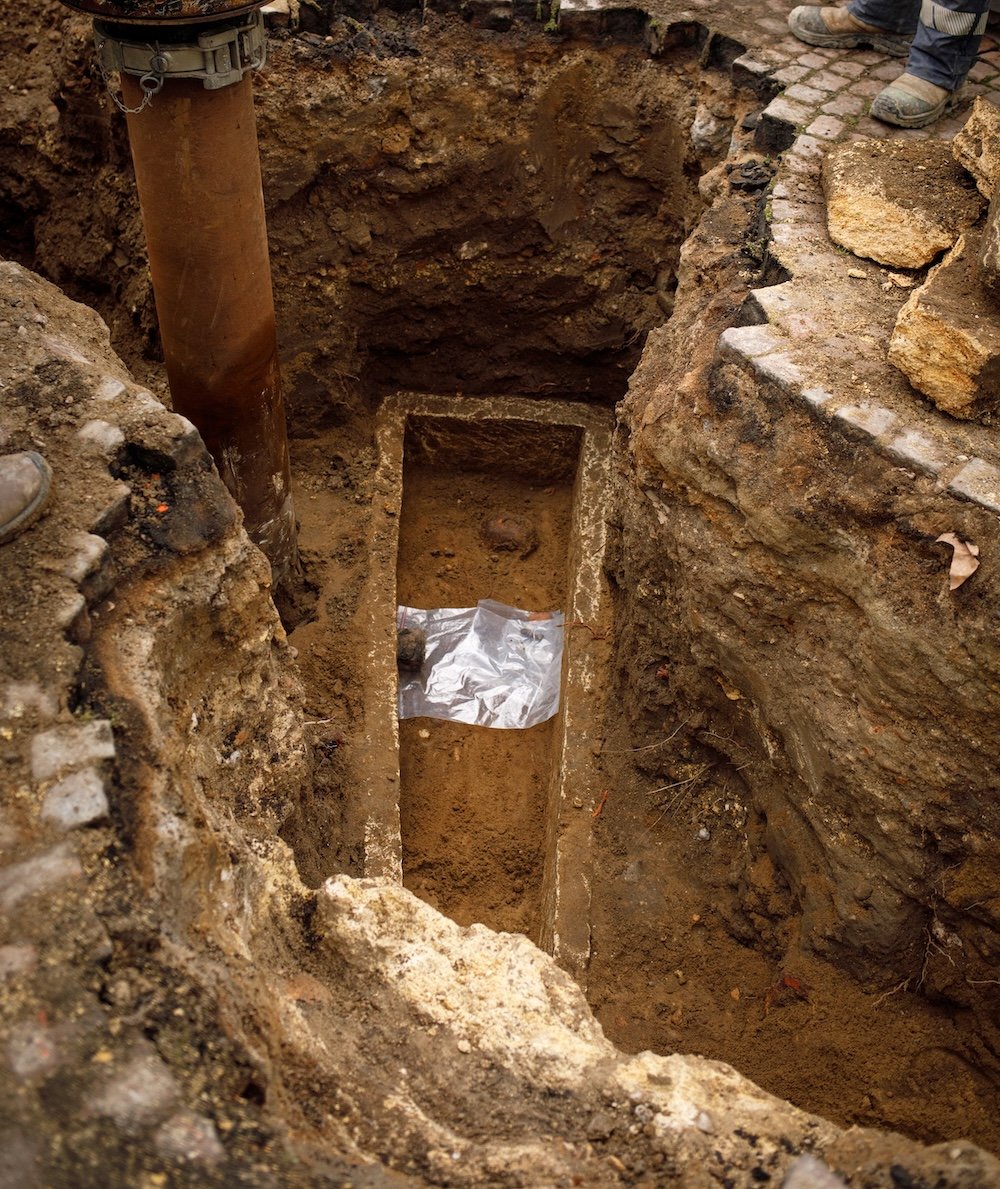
point(489, 665)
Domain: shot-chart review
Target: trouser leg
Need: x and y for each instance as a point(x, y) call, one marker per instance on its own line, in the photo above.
point(947, 40)
point(895, 16)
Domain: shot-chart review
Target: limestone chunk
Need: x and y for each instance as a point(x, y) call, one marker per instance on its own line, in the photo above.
point(947, 338)
point(77, 800)
point(977, 146)
point(70, 746)
point(898, 202)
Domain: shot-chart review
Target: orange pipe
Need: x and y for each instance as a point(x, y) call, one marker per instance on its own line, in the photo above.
point(197, 170)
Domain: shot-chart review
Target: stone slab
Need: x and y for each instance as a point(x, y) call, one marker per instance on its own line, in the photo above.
point(947, 338)
point(897, 202)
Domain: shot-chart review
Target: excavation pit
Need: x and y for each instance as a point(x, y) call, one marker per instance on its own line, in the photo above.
point(535, 264)
point(505, 216)
point(513, 240)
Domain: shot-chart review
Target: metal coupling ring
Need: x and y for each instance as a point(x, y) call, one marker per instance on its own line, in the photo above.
point(219, 56)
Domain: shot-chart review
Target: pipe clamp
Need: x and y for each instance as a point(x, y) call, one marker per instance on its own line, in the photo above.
point(219, 56)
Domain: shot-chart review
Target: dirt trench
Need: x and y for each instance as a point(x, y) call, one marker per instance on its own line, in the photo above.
point(461, 212)
point(694, 929)
point(517, 234)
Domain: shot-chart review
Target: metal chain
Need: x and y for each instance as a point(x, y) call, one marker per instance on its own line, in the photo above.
point(150, 83)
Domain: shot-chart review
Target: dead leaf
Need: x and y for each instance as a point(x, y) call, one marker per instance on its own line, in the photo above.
point(964, 561)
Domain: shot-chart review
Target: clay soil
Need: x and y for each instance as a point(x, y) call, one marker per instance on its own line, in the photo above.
point(473, 798)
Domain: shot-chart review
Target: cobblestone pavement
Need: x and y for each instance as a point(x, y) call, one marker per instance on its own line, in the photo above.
point(825, 342)
point(827, 327)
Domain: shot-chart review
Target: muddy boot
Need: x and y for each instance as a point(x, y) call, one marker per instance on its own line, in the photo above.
point(910, 102)
point(837, 29)
point(25, 482)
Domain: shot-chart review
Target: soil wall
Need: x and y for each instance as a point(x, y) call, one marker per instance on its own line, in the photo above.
point(785, 613)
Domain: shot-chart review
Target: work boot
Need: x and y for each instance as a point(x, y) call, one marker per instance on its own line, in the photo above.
point(910, 102)
point(25, 482)
point(836, 29)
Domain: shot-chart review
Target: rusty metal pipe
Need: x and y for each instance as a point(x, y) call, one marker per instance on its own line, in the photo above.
point(198, 174)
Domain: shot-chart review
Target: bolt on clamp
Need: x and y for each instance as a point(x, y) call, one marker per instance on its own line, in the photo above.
point(220, 56)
